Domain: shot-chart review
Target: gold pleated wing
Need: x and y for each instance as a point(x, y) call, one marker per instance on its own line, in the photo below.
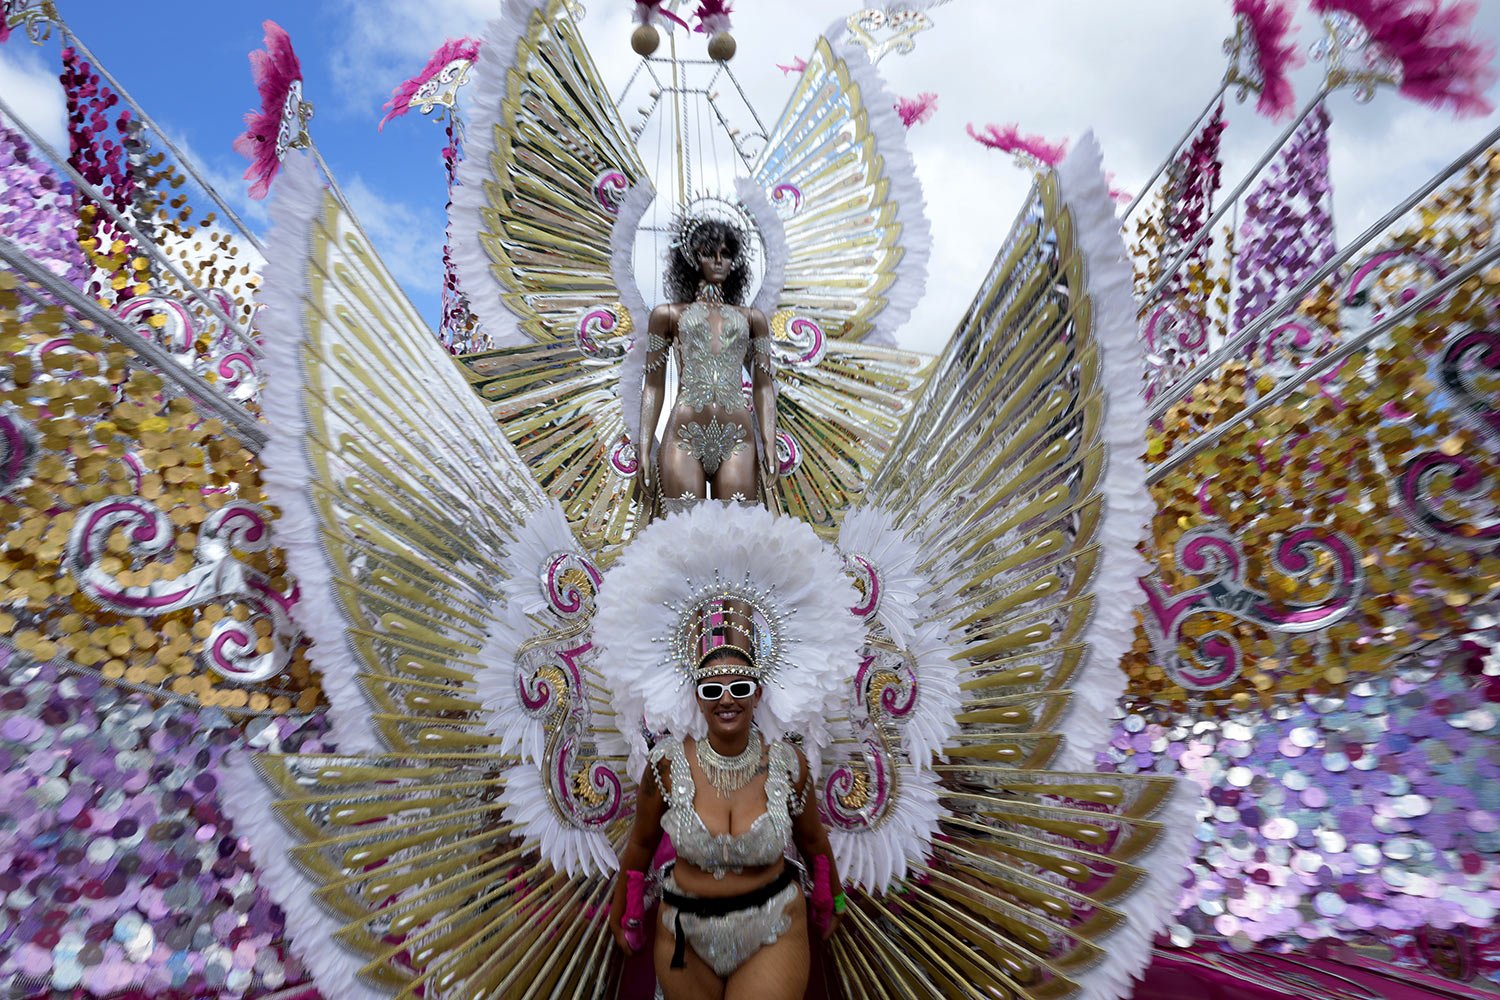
point(453, 841)
point(1018, 478)
point(548, 167)
point(847, 248)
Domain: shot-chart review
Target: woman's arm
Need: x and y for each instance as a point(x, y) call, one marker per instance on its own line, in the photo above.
point(645, 835)
point(763, 390)
point(659, 332)
point(811, 838)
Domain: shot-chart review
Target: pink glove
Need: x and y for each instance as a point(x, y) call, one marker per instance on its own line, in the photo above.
point(634, 921)
point(822, 895)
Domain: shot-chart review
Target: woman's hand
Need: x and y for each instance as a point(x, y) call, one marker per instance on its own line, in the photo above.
point(617, 926)
point(832, 925)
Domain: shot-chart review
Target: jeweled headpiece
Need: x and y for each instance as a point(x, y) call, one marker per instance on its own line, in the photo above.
point(712, 209)
point(723, 624)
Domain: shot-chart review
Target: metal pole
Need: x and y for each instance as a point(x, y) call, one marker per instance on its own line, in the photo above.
point(162, 362)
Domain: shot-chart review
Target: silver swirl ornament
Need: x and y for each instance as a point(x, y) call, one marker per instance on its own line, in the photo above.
point(570, 583)
point(20, 448)
point(236, 650)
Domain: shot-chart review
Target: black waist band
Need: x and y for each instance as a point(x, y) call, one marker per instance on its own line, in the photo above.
point(719, 906)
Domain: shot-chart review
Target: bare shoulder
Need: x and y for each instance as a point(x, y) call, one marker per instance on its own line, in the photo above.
point(664, 316)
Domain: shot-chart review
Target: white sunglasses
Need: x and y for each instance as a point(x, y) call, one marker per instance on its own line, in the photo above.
point(738, 690)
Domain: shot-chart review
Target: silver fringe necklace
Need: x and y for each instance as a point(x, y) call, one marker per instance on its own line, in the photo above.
point(729, 774)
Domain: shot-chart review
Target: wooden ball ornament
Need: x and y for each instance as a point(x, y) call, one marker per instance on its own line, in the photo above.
point(721, 46)
point(644, 40)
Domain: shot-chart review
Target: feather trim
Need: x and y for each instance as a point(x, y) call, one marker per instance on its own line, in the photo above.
point(773, 235)
point(905, 191)
point(497, 56)
point(286, 468)
point(1127, 503)
point(544, 533)
point(1008, 139)
point(275, 69)
point(875, 858)
point(450, 51)
point(575, 852)
point(1151, 905)
point(1269, 23)
point(247, 800)
point(917, 110)
point(679, 557)
point(909, 612)
point(622, 268)
point(1439, 65)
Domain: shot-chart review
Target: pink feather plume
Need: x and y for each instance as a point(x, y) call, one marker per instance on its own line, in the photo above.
point(916, 110)
point(634, 921)
point(647, 11)
point(4, 28)
point(1008, 139)
point(798, 65)
point(453, 48)
point(713, 16)
point(274, 69)
point(1276, 54)
point(1440, 64)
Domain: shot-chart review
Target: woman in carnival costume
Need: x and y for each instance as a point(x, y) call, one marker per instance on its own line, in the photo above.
point(732, 914)
point(507, 644)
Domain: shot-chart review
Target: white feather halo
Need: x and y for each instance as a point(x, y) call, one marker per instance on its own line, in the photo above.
point(876, 857)
point(649, 592)
point(910, 606)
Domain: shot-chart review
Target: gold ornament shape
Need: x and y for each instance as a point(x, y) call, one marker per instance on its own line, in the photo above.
point(721, 46)
point(644, 40)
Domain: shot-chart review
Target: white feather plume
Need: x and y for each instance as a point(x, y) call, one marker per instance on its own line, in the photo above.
point(248, 801)
point(876, 857)
point(676, 558)
point(905, 191)
point(622, 268)
point(1127, 503)
point(773, 239)
point(567, 848)
point(286, 469)
point(466, 224)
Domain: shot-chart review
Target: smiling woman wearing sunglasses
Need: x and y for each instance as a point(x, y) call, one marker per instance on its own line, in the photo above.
point(733, 920)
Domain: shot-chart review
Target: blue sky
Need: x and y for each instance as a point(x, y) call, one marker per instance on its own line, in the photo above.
point(1135, 72)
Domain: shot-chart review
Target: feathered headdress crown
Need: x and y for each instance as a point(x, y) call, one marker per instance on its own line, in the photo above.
point(706, 209)
point(723, 624)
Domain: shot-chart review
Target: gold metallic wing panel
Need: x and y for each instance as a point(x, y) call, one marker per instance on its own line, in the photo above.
point(1019, 471)
point(397, 491)
point(548, 163)
point(423, 876)
point(837, 419)
point(559, 410)
point(837, 169)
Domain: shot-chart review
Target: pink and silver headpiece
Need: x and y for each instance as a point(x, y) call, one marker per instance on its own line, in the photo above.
point(719, 624)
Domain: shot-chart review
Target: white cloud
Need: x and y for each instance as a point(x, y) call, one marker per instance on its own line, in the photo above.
point(409, 240)
point(33, 93)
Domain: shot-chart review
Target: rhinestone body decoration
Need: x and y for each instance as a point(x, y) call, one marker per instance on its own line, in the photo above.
point(712, 443)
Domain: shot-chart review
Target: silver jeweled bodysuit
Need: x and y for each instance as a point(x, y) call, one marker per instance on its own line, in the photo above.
point(724, 942)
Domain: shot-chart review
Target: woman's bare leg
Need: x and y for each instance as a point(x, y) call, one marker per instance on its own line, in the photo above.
point(778, 971)
point(681, 475)
point(695, 981)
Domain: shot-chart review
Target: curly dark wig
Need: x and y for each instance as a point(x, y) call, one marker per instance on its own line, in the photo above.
point(684, 274)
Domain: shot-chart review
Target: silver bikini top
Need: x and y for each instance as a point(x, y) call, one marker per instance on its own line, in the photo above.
point(712, 367)
point(723, 853)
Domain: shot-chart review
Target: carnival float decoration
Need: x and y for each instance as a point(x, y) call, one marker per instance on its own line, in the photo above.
point(1153, 620)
